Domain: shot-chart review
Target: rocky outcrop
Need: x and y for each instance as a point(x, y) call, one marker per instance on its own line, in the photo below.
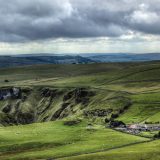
point(17, 118)
point(7, 93)
point(25, 105)
point(11, 112)
point(98, 112)
point(24, 118)
point(7, 108)
point(58, 113)
point(46, 92)
point(71, 99)
point(80, 95)
point(114, 124)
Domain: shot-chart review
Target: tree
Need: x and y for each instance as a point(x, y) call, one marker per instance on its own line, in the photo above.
point(157, 135)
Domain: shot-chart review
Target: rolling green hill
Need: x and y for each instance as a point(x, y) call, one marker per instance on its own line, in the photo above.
point(31, 59)
point(69, 106)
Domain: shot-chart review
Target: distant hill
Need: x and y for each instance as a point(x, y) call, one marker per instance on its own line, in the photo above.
point(34, 59)
point(124, 57)
point(21, 60)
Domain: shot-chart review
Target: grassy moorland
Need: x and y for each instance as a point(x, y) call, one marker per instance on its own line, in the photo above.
point(55, 94)
point(142, 151)
point(54, 139)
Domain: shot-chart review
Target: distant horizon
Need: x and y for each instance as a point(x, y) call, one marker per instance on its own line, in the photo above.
point(77, 54)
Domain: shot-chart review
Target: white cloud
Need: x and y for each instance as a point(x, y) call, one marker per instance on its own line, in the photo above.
point(143, 16)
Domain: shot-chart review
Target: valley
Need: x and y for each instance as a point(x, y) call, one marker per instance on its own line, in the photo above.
point(74, 111)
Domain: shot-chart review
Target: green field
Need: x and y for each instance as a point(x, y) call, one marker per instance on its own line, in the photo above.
point(54, 139)
point(34, 126)
point(143, 151)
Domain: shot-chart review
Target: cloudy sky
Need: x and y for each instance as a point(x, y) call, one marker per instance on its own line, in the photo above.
point(79, 26)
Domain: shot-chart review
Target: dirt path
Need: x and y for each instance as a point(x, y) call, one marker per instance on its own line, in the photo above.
point(103, 150)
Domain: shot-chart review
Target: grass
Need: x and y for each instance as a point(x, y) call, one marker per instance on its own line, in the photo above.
point(140, 113)
point(149, 134)
point(54, 139)
point(153, 97)
point(86, 75)
point(145, 108)
point(143, 151)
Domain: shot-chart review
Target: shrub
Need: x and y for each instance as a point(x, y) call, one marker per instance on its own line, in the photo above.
point(114, 115)
point(6, 80)
point(114, 124)
point(157, 136)
point(107, 120)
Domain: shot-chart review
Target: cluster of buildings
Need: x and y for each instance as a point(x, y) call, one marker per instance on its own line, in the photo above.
point(137, 128)
point(144, 127)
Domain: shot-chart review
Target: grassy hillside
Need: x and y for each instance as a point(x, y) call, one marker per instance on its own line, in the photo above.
point(40, 104)
point(79, 99)
point(114, 85)
point(146, 151)
point(54, 139)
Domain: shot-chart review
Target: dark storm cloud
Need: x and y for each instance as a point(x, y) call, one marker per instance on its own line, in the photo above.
point(42, 19)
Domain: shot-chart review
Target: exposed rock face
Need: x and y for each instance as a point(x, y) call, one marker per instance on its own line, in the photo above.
point(25, 118)
point(72, 98)
point(11, 113)
point(24, 106)
point(80, 95)
point(46, 92)
point(17, 118)
point(7, 108)
point(57, 114)
point(114, 124)
point(10, 93)
point(98, 112)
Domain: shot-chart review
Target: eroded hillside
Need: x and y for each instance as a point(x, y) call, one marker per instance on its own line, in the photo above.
point(41, 104)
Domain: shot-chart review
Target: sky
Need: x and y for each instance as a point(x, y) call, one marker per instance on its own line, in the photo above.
point(79, 26)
